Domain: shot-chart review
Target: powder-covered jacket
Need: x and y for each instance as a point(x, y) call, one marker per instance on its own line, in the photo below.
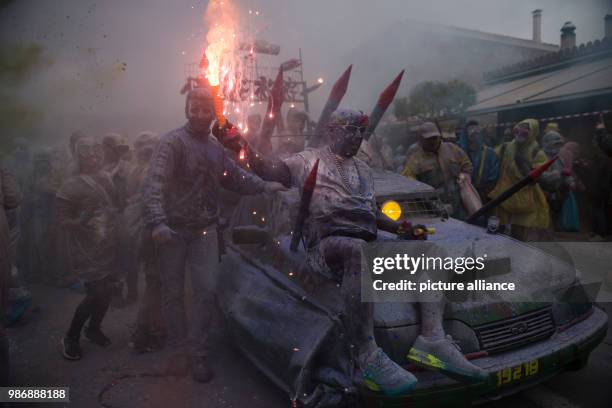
point(185, 175)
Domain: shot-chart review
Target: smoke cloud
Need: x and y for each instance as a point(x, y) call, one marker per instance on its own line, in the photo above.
point(118, 65)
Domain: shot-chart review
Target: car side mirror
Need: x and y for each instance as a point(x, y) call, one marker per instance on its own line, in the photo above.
point(250, 234)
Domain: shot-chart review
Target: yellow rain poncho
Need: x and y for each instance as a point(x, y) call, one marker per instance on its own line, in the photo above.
point(528, 207)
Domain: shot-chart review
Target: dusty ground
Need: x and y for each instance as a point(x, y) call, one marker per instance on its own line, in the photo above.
point(37, 361)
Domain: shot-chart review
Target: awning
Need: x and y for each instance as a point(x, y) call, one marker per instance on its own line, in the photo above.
point(580, 80)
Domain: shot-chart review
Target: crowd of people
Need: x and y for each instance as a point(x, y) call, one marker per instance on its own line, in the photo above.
point(68, 221)
point(537, 211)
point(99, 213)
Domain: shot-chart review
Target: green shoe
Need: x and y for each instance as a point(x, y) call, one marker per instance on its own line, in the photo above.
point(381, 374)
point(445, 356)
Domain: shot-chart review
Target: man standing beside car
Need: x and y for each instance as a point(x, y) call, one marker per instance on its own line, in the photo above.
point(181, 207)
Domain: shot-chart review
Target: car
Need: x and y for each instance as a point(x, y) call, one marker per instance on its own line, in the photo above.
point(291, 327)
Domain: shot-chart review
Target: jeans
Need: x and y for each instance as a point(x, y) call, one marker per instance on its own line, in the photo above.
point(343, 258)
point(93, 307)
point(199, 250)
point(128, 258)
point(149, 320)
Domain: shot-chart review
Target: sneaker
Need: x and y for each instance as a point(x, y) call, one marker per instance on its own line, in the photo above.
point(178, 366)
point(445, 356)
point(200, 370)
point(381, 374)
point(97, 337)
point(71, 350)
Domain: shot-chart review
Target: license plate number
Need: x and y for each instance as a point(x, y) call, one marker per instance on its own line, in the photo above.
point(510, 375)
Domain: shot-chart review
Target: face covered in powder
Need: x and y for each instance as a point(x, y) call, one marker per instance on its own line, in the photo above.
point(345, 130)
point(199, 110)
point(521, 133)
point(90, 155)
point(552, 142)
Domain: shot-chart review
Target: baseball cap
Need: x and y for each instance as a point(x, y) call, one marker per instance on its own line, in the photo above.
point(429, 129)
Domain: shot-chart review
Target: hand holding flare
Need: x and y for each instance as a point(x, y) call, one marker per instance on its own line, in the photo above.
point(223, 130)
point(218, 106)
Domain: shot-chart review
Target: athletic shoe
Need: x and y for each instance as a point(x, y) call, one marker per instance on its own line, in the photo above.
point(381, 374)
point(445, 356)
point(71, 350)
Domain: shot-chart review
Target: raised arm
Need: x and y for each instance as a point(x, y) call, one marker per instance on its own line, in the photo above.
point(270, 169)
point(237, 179)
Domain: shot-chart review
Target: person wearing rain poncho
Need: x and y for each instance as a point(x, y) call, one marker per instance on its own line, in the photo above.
point(526, 211)
point(562, 181)
point(484, 159)
point(86, 205)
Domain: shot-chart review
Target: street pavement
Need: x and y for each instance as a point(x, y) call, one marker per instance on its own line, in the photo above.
point(37, 362)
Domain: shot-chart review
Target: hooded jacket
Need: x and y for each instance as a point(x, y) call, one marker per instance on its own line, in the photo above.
point(485, 162)
point(528, 207)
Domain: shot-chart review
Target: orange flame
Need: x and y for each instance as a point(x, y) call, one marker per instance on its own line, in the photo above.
point(224, 66)
point(222, 42)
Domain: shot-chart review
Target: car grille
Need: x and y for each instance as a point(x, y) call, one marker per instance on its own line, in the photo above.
point(517, 331)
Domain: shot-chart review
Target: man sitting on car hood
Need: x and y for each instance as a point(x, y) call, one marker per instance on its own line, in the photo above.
point(343, 215)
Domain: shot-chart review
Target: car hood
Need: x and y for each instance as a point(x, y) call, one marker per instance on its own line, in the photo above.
point(539, 275)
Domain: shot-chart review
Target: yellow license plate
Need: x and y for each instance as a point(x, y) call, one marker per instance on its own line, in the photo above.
point(511, 375)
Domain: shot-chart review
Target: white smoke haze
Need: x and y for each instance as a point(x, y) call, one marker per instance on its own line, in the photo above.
point(118, 65)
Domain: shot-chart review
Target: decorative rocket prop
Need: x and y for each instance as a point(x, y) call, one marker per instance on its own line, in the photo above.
point(309, 186)
point(336, 95)
point(275, 101)
point(384, 100)
point(532, 177)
